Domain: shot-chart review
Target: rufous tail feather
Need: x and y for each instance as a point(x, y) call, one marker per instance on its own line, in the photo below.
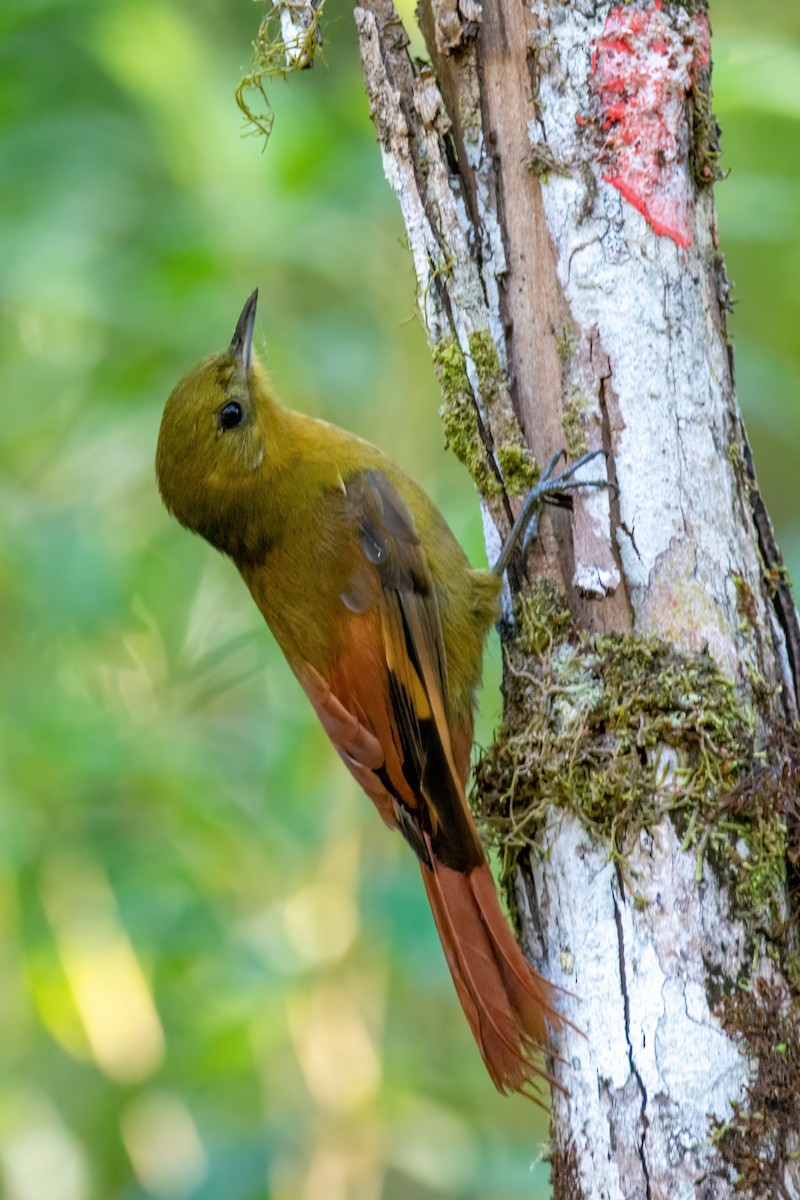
point(506, 1003)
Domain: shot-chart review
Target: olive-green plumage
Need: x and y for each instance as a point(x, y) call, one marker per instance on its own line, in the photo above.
point(268, 491)
point(383, 621)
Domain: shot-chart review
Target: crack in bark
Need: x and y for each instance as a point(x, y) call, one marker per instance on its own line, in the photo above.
point(609, 443)
point(783, 600)
point(593, 241)
point(628, 531)
point(627, 1014)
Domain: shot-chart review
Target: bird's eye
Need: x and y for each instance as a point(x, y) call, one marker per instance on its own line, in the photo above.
point(230, 416)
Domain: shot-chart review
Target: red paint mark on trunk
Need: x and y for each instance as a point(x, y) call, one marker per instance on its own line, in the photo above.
point(643, 68)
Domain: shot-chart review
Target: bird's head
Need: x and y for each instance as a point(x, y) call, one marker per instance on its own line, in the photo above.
point(213, 439)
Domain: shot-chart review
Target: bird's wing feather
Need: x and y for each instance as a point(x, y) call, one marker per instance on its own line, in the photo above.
point(388, 687)
point(358, 748)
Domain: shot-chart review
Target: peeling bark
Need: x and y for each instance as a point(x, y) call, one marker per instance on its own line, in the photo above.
point(553, 168)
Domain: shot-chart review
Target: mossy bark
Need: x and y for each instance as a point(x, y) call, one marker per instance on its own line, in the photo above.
point(642, 788)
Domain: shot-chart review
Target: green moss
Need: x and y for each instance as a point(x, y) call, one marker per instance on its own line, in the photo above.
point(776, 576)
point(543, 162)
point(734, 454)
point(459, 415)
point(573, 424)
point(757, 853)
point(623, 730)
point(759, 836)
point(541, 618)
point(517, 464)
point(270, 61)
point(706, 150)
point(745, 603)
point(566, 345)
point(483, 353)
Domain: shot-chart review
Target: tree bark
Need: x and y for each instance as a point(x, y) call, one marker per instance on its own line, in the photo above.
point(554, 164)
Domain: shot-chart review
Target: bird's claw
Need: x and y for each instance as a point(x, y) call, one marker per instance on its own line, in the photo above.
point(553, 488)
point(549, 483)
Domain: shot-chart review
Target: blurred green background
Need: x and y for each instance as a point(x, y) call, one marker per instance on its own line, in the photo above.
point(218, 977)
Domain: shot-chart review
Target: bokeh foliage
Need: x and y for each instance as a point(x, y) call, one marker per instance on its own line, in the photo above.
point(218, 977)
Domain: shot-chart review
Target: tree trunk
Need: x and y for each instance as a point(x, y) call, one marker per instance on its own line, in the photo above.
point(554, 167)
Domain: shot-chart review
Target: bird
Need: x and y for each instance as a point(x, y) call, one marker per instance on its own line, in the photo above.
point(383, 622)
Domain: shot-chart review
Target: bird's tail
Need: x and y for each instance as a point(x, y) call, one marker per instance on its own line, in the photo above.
point(506, 1003)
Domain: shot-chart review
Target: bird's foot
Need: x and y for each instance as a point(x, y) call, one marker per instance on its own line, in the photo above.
point(551, 488)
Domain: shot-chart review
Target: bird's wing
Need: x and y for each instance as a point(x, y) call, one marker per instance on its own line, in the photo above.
point(384, 705)
point(385, 708)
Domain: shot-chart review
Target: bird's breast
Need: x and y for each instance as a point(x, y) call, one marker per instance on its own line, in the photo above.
point(299, 593)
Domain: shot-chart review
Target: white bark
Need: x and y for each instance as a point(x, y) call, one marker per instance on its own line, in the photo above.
point(614, 318)
point(655, 308)
point(654, 1064)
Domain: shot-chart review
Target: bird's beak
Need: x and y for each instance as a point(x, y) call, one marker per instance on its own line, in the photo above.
point(242, 340)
